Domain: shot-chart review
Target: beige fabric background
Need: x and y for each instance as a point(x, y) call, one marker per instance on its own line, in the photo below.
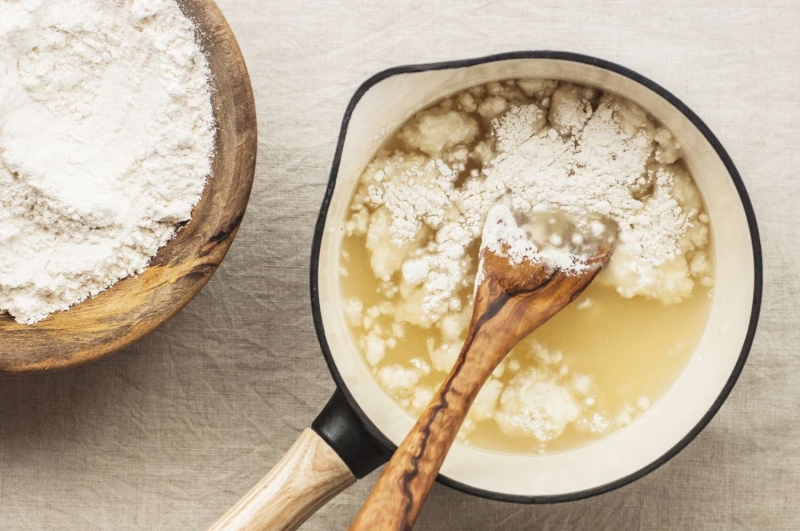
point(168, 434)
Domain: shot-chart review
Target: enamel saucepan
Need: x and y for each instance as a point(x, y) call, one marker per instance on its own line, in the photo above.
point(361, 425)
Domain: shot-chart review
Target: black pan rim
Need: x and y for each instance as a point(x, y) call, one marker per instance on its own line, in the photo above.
point(562, 56)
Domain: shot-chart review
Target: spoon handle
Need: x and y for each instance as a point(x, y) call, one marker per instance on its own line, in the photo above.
point(401, 490)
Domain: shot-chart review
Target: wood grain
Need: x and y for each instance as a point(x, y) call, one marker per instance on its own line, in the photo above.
point(510, 303)
point(309, 475)
point(136, 306)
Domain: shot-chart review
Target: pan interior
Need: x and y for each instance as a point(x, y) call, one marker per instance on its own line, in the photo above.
point(388, 103)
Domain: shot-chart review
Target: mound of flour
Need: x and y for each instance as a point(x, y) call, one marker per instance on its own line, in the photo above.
point(106, 136)
point(584, 155)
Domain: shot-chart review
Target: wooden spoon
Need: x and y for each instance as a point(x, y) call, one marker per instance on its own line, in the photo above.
point(511, 301)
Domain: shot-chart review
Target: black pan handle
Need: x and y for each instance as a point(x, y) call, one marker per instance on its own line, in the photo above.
point(339, 426)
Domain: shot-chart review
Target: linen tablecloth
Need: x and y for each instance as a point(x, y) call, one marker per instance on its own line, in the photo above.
point(169, 433)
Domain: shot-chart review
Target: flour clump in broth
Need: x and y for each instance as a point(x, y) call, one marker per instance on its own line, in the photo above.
point(573, 160)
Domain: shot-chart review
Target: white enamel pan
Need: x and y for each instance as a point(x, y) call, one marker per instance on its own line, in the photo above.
point(361, 425)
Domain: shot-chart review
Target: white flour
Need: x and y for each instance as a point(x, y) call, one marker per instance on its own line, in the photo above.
point(573, 152)
point(592, 172)
point(106, 135)
point(505, 237)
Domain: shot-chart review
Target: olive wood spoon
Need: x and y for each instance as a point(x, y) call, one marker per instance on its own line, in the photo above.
point(511, 301)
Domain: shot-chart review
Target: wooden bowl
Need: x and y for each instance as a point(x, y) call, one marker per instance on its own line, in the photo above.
point(136, 306)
